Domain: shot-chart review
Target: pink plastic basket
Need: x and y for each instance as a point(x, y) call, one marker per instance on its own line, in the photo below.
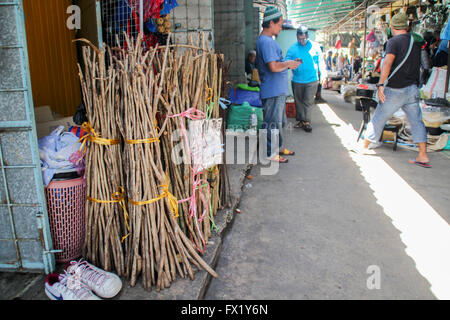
point(66, 202)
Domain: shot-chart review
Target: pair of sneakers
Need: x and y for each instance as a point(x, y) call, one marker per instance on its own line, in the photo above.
point(82, 281)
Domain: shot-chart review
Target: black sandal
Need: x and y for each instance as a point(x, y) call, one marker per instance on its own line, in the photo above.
point(307, 127)
point(299, 125)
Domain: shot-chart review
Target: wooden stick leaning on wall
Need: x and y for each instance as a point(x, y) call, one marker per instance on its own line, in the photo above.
point(105, 208)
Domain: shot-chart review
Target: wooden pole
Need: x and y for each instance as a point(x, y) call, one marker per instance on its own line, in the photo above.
point(365, 41)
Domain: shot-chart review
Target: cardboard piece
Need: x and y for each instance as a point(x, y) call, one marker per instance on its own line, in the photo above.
point(45, 128)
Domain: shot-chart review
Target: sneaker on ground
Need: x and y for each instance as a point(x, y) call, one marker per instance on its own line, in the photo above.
point(104, 284)
point(374, 145)
point(64, 287)
point(361, 151)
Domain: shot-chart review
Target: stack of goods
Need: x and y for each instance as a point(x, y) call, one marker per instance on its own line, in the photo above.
point(161, 209)
point(246, 110)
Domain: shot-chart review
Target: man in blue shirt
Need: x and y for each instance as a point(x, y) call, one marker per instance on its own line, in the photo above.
point(440, 59)
point(273, 73)
point(305, 80)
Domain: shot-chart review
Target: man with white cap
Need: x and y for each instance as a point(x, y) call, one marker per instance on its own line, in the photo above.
point(273, 72)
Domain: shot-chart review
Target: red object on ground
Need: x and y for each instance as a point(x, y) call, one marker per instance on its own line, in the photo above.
point(363, 86)
point(290, 109)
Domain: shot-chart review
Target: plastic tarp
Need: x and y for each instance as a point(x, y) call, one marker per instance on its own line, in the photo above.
point(238, 97)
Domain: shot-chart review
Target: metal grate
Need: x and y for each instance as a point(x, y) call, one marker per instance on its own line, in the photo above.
point(120, 17)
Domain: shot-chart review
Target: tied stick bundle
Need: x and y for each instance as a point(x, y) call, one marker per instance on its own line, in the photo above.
point(105, 208)
point(157, 248)
point(195, 72)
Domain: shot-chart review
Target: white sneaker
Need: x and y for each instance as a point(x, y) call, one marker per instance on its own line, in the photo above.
point(374, 145)
point(361, 151)
point(64, 287)
point(104, 284)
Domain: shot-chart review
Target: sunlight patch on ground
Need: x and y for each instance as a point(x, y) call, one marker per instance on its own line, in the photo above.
point(424, 232)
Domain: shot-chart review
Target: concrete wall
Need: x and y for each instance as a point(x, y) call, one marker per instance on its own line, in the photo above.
point(191, 17)
point(230, 35)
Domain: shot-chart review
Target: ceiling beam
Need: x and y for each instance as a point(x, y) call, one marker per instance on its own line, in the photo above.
point(324, 16)
point(347, 8)
point(311, 3)
point(319, 5)
point(359, 10)
point(317, 20)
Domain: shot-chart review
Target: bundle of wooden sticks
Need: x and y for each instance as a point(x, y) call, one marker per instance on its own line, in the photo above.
point(143, 210)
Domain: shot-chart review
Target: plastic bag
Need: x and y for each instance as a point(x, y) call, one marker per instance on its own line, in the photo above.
point(59, 150)
point(435, 115)
point(436, 82)
point(239, 96)
point(347, 91)
point(239, 117)
point(205, 142)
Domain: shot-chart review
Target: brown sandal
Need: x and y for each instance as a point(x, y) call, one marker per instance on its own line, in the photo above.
point(279, 159)
point(287, 152)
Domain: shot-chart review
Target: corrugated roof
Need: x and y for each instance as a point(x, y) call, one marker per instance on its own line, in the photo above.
point(329, 14)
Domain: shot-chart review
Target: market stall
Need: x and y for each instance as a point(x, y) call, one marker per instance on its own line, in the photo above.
point(428, 23)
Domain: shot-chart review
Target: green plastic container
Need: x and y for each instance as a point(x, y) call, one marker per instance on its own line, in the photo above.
point(239, 117)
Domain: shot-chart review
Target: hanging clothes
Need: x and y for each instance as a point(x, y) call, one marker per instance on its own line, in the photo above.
point(338, 44)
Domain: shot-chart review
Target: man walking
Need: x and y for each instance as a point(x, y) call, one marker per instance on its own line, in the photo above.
point(274, 88)
point(305, 80)
point(397, 88)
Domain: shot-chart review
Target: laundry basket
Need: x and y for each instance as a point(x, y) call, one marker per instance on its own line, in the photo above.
point(66, 207)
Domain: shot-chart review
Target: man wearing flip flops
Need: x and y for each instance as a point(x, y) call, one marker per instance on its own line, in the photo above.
point(397, 88)
point(273, 72)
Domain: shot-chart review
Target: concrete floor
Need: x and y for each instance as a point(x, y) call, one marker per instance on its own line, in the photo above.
point(316, 229)
point(319, 230)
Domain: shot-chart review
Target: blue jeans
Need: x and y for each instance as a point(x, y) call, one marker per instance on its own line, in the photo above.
point(406, 98)
point(274, 119)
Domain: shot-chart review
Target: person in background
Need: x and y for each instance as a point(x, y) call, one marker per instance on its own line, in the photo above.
point(335, 61)
point(441, 56)
point(321, 79)
point(306, 77)
point(250, 64)
point(400, 91)
point(340, 63)
point(273, 72)
point(330, 61)
point(356, 64)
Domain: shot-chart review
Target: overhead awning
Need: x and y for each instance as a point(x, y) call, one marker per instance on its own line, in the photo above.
point(334, 15)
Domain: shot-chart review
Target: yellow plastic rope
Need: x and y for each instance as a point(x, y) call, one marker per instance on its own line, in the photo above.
point(211, 94)
point(142, 141)
point(92, 136)
point(119, 197)
point(173, 201)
